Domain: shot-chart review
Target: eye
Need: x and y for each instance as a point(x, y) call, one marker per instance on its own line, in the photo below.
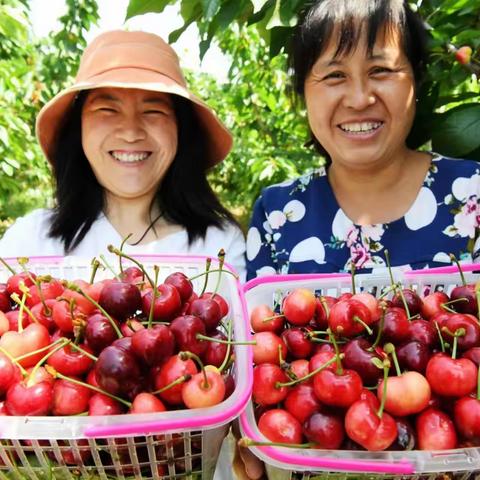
point(337, 75)
point(380, 70)
point(155, 112)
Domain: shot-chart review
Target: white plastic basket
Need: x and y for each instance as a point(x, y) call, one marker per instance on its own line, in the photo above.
point(309, 464)
point(175, 444)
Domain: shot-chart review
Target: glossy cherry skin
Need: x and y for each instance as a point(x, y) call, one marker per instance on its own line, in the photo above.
point(435, 430)
point(407, 394)
point(69, 398)
point(133, 275)
point(364, 427)
point(208, 311)
point(343, 317)
point(267, 347)
point(302, 402)
point(265, 378)
point(473, 354)
point(34, 400)
point(100, 404)
point(451, 377)
point(471, 326)
point(99, 332)
point(299, 306)
point(182, 283)
point(413, 356)
point(145, 402)
point(166, 305)
point(339, 390)
point(301, 368)
point(264, 319)
point(216, 351)
point(433, 304)
point(371, 303)
point(395, 325)
point(170, 371)
point(117, 372)
point(120, 299)
point(358, 357)
point(185, 330)
point(14, 281)
point(9, 374)
point(198, 394)
point(406, 437)
point(325, 430)
point(278, 425)
point(323, 304)
point(422, 331)
point(467, 292)
point(48, 291)
point(71, 362)
point(467, 417)
point(44, 314)
point(153, 345)
point(65, 315)
point(297, 342)
point(5, 303)
point(222, 303)
point(414, 302)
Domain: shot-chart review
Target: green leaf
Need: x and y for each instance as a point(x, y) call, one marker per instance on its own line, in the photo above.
point(139, 7)
point(458, 131)
point(4, 136)
point(210, 8)
point(278, 38)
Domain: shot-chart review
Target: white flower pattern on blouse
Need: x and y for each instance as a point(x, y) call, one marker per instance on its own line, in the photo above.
point(298, 227)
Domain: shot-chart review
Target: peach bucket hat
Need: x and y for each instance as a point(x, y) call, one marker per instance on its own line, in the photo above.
point(126, 59)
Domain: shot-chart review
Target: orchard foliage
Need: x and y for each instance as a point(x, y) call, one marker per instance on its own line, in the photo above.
point(32, 71)
point(270, 132)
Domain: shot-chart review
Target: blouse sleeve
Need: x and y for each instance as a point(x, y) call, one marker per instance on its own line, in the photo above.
point(260, 246)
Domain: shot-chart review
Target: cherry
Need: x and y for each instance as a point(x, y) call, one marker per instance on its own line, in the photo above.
point(264, 319)
point(349, 317)
point(302, 402)
point(153, 345)
point(66, 315)
point(145, 402)
point(301, 368)
point(71, 361)
point(371, 303)
point(120, 299)
point(132, 275)
point(406, 394)
point(358, 357)
point(100, 404)
point(471, 337)
point(216, 351)
point(204, 389)
point(265, 378)
point(222, 303)
point(5, 303)
point(467, 417)
point(24, 399)
point(268, 347)
point(13, 320)
point(322, 311)
point(9, 373)
point(43, 313)
point(297, 342)
point(99, 332)
point(473, 354)
point(15, 280)
point(463, 55)
point(48, 291)
point(117, 371)
point(130, 326)
point(433, 304)
point(422, 331)
point(185, 330)
point(466, 299)
point(69, 398)
point(325, 430)
point(299, 306)
point(208, 311)
point(278, 425)
point(166, 305)
point(413, 301)
point(451, 377)
point(406, 437)
point(337, 389)
point(182, 283)
point(435, 430)
point(413, 356)
point(395, 325)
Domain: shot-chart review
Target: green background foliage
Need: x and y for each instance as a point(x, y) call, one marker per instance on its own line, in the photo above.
point(270, 131)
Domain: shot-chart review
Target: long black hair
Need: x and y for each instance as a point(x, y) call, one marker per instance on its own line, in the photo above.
point(184, 195)
point(319, 21)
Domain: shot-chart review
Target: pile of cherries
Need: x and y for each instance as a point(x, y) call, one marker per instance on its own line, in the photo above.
point(360, 372)
point(127, 344)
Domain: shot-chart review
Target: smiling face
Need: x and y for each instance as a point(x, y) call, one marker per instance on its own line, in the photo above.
point(129, 137)
point(360, 105)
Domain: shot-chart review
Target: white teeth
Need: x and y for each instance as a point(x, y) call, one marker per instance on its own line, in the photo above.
point(130, 157)
point(360, 127)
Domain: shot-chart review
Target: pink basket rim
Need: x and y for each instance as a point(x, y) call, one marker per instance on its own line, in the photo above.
point(468, 267)
point(328, 463)
point(291, 277)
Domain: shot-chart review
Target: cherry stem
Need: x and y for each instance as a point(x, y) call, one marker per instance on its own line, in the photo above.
point(386, 368)
point(20, 313)
point(309, 375)
point(177, 381)
point(361, 322)
point(56, 374)
point(324, 305)
point(7, 266)
point(84, 352)
point(389, 267)
point(333, 340)
point(281, 360)
point(453, 258)
point(229, 348)
point(208, 264)
point(440, 337)
point(221, 261)
point(38, 283)
point(43, 349)
point(14, 361)
point(269, 319)
point(389, 349)
point(248, 442)
point(106, 264)
point(186, 355)
point(380, 329)
point(77, 289)
point(116, 251)
point(95, 266)
point(155, 292)
point(212, 271)
point(45, 358)
point(352, 270)
point(120, 265)
point(387, 291)
point(458, 333)
point(199, 336)
point(14, 296)
point(323, 340)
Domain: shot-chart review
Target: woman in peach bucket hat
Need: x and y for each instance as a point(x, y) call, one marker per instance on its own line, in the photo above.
point(129, 146)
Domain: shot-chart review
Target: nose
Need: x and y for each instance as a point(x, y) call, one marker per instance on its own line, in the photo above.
point(359, 95)
point(130, 129)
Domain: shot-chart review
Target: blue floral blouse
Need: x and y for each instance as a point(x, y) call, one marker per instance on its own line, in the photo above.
point(298, 226)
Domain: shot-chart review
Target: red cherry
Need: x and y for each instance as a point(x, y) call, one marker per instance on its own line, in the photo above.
point(69, 398)
point(48, 291)
point(182, 283)
point(325, 430)
point(147, 403)
point(14, 281)
point(265, 378)
point(267, 348)
point(5, 303)
point(347, 317)
point(166, 305)
point(337, 389)
point(100, 404)
point(185, 330)
point(414, 302)
point(435, 430)
point(299, 306)
point(433, 304)
point(279, 425)
point(120, 299)
point(24, 400)
point(198, 393)
point(395, 325)
point(302, 402)
point(208, 311)
point(153, 345)
point(463, 55)
point(264, 319)
point(322, 311)
point(297, 342)
point(467, 322)
point(222, 303)
point(71, 362)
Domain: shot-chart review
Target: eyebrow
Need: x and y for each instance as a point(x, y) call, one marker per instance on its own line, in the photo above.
point(335, 63)
point(112, 98)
